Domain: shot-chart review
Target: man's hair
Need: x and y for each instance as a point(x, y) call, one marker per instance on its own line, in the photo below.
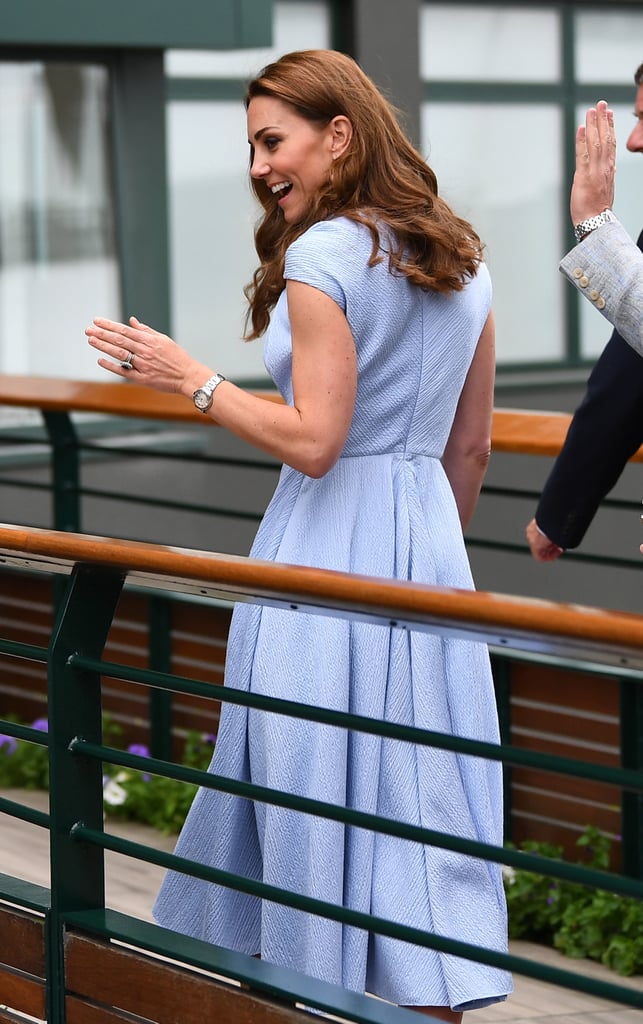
point(638, 75)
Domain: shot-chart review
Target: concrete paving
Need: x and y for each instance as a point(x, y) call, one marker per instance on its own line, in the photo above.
point(131, 887)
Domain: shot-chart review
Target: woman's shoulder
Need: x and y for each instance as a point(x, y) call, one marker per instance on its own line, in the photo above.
point(337, 249)
point(330, 233)
point(482, 278)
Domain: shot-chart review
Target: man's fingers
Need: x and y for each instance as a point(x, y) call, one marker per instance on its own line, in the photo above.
point(582, 156)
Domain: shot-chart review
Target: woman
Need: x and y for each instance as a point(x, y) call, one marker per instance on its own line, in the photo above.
point(375, 303)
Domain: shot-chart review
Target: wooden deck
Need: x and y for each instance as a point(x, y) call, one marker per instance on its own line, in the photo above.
point(131, 887)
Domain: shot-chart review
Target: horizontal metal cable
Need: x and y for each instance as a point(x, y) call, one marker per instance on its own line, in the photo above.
point(623, 777)
point(27, 485)
point(577, 556)
point(24, 813)
point(378, 925)
point(24, 732)
point(181, 456)
point(362, 819)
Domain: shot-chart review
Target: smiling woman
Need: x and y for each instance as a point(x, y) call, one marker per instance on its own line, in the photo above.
point(292, 155)
point(375, 303)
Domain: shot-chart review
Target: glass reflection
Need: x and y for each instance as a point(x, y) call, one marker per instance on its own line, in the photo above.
point(512, 196)
point(57, 236)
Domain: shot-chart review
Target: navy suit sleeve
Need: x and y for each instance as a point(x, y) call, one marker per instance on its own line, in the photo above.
point(606, 430)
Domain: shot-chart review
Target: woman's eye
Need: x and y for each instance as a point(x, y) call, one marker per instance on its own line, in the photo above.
point(271, 142)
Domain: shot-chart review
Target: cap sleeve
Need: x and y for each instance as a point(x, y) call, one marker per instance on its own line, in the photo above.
point(318, 258)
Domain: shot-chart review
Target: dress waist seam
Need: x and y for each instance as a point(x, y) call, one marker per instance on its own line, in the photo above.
point(391, 454)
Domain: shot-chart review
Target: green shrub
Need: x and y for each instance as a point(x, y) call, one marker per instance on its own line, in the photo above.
point(578, 920)
point(128, 795)
point(24, 765)
point(151, 799)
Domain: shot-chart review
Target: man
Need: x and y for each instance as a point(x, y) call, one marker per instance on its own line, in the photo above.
point(607, 427)
point(605, 266)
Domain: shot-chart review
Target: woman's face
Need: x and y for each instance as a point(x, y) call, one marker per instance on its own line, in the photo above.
point(291, 155)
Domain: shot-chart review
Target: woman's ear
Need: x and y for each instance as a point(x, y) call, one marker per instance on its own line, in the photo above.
point(341, 135)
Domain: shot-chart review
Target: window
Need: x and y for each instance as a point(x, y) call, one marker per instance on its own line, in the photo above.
point(212, 209)
point(504, 87)
point(490, 167)
point(57, 246)
point(490, 44)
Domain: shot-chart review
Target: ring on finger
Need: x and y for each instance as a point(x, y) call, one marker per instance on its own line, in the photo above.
point(128, 364)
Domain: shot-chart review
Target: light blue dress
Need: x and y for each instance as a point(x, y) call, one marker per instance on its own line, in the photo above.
point(385, 509)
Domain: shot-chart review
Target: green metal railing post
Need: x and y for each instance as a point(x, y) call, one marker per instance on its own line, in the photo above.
point(160, 701)
point(65, 471)
point(501, 668)
point(632, 757)
point(76, 786)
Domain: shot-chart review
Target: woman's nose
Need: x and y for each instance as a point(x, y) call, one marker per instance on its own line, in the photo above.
point(259, 168)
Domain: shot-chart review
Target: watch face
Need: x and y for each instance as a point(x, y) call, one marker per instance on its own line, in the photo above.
point(202, 399)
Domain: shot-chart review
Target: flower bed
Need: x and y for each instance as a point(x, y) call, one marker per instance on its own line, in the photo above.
point(127, 794)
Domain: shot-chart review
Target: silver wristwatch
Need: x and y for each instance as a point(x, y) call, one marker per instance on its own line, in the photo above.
point(202, 397)
point(585, 226)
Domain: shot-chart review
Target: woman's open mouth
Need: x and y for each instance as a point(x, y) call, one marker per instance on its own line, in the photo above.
point(281, 190)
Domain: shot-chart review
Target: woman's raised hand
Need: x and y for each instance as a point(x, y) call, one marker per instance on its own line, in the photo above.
point(138, 352)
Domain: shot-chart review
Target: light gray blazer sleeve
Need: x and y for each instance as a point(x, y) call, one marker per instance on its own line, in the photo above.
point(607, 268)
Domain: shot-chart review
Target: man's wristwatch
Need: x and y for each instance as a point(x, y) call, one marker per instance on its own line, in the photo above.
point(202, 397)
point(585, 226)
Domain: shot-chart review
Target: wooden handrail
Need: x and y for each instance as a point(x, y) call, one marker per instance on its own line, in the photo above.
point(499, 619)
point(118, 398)
point(514, 430)
point(533, 433)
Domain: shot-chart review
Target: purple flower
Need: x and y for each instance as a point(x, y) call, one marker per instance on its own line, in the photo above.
point(41, 724)
point(139, 749)
point(9, 742)
point(209, 737)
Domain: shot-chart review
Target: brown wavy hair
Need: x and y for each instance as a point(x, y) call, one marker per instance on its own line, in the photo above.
point(380, 179)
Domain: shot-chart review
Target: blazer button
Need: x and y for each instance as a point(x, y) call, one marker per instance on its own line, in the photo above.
point(600, 303)
point(583, 281)
point(577, 272)
point(593, 295)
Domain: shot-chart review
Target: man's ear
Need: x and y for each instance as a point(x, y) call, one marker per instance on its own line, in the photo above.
point(341, 135)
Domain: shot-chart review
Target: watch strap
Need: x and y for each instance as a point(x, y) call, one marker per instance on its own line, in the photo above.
point(585, 226)
point(213, 383)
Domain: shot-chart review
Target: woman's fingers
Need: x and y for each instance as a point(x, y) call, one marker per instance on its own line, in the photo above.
point(136, 323)
point(114, 332)
point(140, 352)
point(108, 337)
point(117, 339)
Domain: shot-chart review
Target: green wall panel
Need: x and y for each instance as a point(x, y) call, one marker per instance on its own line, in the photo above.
point(199, 24)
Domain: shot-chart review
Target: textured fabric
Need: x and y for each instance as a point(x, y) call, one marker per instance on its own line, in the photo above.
point(606, 430)
point(607, 268)
point(385, 509)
